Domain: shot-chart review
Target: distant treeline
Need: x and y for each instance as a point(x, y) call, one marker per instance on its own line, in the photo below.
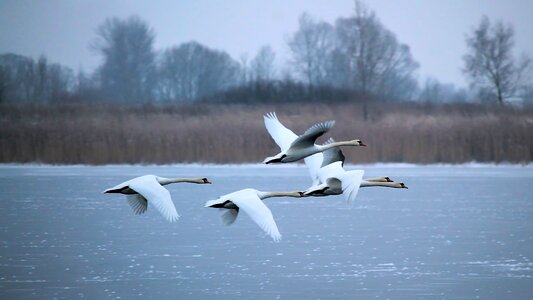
point(280, 92)
point(213, 133)
point(339, 61)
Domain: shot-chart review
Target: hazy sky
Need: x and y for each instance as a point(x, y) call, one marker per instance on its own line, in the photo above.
point(63, 29)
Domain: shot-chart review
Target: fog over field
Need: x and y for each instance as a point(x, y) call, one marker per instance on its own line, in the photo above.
point(458, 232)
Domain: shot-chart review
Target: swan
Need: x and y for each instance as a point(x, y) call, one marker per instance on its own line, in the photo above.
point(149, 188)
point(322, 159)
point(330, 178)
point(334, 180)
point(250, 200)
point(293, 147)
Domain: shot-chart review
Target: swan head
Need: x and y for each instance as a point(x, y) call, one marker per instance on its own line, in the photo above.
point(358, 143)
point(401, 185)
point(204, 181)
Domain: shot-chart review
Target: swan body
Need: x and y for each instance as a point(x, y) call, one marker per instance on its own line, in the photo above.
point(250, 201)
point(334, 180)
point(149, 188)
point(331, 178)
point(294, 147)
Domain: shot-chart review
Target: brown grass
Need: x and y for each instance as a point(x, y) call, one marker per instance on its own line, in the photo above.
point(235, 133)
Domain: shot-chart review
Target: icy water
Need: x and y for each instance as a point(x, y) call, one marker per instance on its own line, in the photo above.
point(459, 232)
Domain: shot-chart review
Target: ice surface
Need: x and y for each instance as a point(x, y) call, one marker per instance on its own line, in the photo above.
point(457, 232)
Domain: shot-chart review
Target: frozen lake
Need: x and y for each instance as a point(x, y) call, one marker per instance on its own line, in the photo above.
point(459, 232)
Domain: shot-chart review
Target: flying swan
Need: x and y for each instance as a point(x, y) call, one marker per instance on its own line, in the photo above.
point(250, 201)
point(335, 181)
point(332, 179)
point(295, 147)
point(149, 188)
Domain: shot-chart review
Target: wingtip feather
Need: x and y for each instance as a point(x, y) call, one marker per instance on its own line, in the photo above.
point(271, 115)
point(329, 141)
point(173, 219)
point(276, 238)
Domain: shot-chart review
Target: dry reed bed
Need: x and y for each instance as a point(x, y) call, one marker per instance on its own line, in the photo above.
point(235, 133)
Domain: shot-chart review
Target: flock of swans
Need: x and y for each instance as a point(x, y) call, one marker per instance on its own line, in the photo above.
point(325, 163)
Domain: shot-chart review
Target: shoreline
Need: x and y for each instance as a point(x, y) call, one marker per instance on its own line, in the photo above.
point(279, 166)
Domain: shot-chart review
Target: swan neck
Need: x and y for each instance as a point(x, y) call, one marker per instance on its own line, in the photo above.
point(165, 181)
point(365, 183)
point(264, 195)
point(378, 179)
point(337, 144)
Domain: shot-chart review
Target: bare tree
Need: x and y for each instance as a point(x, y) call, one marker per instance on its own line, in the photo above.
point(4, 77)
point(86, 88)
point(489, 63)
point(360, 42)
point(312, 46)
point(435, 91)
point(357, 53)
point(244, 69)
point(374, 61)
point(11, 67)
point(262, 66)
point(191, 71)
point(128, 69)
point(24, 79)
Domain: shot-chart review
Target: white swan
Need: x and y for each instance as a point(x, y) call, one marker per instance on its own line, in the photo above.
point(334, 180)
point(149, 188)
point(295, 147)
point(330, 178)
point(250, 200)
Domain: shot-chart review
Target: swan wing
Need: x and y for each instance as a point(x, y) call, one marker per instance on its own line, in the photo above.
point(335, 185)
point(315, 188)
point(228, 210)
point(313, 163)
point(157, 195)
point(281, 134)
point(118, 187)
point(332, 170)
point(228, 216)
point(351, 181)
point(138, 203)
point(219, 201)
point(310, 135)
point(125, 184)
point(259, 213)
point(332, 155)
point(316, 161)
point(332, 186)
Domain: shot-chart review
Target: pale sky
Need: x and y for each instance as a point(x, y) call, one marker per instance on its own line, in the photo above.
point(63, 29)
